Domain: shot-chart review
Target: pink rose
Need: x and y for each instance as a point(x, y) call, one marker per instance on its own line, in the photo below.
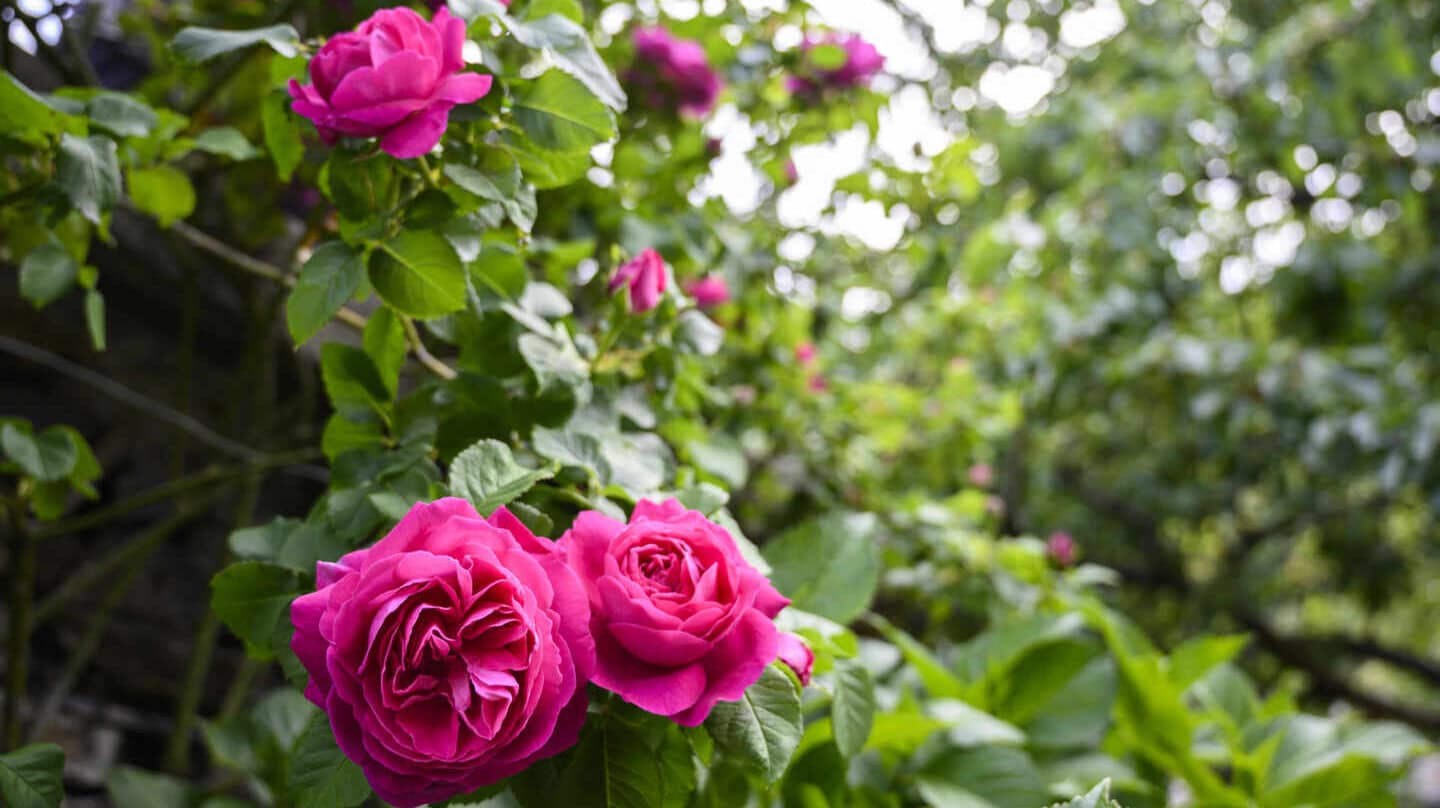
point(798, 656)
point(450, 655)
point(1060, 547)
point(396, 77)
point(981, 475)
point(709, 291)
point(817, 383)
point(862, 62)
point(680, 620)
point(805, 353)
point(645, 275)
point(669, 71)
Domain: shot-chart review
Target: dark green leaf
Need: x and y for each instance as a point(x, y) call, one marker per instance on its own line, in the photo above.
point(130, 787)
point(328, 279)
point(89, 174)
point(282, 134)
point(320, 774)
point(253, 599)
point(197, 44)
point(488, 476)
point(558, 113)
point(419, 274)
point(852, 710)
point(353, 382)
point(30, 777)
point(228, 142)
point(22, 113)
point(95, 318)
point(829, 566)
point(763, 727)
point(121, 114)
point(567, 43)
point(46, 274)
point(48, 456)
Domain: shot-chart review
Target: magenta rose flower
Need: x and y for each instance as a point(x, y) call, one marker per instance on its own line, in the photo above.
point(862, 62)
point(1061, 549)
point(680, 620)
point(797, 656)
point(709, 291)
point(396, 77)
point(672, 72)
point(450, 655)
point(644, 275)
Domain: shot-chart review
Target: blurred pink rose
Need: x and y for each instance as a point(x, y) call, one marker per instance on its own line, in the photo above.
point(680, 619)
point(709, 291)
point(805, 353)
point(792, 174)
point(796, 654)
point(645, 276)
point(450, 655)
point(396, 77)
point(862, 62)
point(981, 475)
point(1061, 549)
point(818, 383)
point(672, 72)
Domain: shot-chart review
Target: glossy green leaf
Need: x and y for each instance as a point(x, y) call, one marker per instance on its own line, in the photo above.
point(253, 599)
point(198, 44)
point(30, 777)
point(164, 192)
point(328, 279)
point(89, 174)
point(763, 727)
point(852, 708)
point(320, 774)
point(419, 274)
point(558, 113)
point(828, 566)
point(46, 274)
point(487, 475)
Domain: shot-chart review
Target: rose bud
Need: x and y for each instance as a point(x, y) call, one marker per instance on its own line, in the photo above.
point(645, 277)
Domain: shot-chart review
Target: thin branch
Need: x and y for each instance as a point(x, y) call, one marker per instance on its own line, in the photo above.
point(417, 347)
point(22, 623)
point(252, 265)
point(149, 406)
point(173, 488)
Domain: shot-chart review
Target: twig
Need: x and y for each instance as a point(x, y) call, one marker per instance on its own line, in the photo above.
point(252, 265)
point(90, 575)
point(417, 347)
point(22, 591)
point(173, 488)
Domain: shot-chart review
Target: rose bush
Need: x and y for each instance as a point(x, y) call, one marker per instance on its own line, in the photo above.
point(450, 655)
point(670, 72)
point(680, 619)
point(396, 77)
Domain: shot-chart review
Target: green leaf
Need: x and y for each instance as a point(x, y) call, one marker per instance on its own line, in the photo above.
point(994, 775)
point(46, 274)
point(95, 318)
point(829, 566)
point(47, 457)
point(558, 113)
point(329, 278)
point(23, 114)
point(569, 9)
point(568, 44)
point(130, 787)
point(197, 44)
point(320, 774)
point(468, 10)
point(89, 174)
point(763, 727)
point(353, 382)
point(1098, 797)
point(226, 141)
point(545, 169)
point(699, 333)
point(419, 274)
point(1196, 657)
point(828, 56)
point(613, 767)
point(488, 476)
point(288, 543)
point(852, 710)
point(164, 192)
point(121, 114)
point(282, 134)
point(30, 777)
point(938, 679)
point(253, 599)
point(384, 342)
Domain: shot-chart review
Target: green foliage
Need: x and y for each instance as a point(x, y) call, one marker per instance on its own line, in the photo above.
point(763, 728)
point(198, 44)
point(30, 776)
point(488, 476)
point(328, 279)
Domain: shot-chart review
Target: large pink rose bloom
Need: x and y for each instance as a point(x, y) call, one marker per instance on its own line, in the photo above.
point(680, 620)
point(672, 72)
point(396, 77)
point(450, 655)
point(862, 62)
